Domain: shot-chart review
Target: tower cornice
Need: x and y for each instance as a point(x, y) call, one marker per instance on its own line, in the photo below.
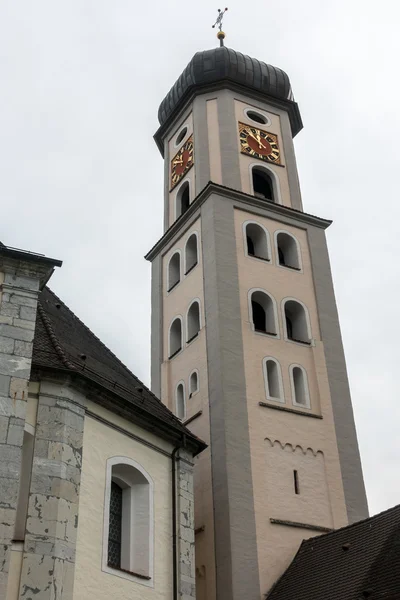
point(290, 106)
point(277, 210)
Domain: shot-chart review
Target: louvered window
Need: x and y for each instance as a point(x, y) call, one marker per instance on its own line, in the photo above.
point(115, 527)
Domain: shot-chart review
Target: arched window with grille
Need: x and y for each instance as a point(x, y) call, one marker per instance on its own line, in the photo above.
point(256, 241)
point(296, 321)
point(299, 384)
point(263, 312)
point(128, 520)
point(115, 527)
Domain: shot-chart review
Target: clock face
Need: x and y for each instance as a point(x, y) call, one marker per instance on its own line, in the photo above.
point(258, 143)
point(182, 162)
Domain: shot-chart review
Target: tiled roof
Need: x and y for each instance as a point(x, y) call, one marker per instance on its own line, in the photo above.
point(358, 562)
point(62, 341)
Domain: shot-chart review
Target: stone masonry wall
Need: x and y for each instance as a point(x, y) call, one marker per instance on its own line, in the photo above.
point(52, 521)
point(185, 542)
point(17, 324)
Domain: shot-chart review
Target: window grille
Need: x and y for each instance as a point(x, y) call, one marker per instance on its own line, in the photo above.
point(115, 527)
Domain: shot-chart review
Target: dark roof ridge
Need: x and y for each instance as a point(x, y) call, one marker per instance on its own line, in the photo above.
point(351, 525)
point(104, 346)
point(53, 338)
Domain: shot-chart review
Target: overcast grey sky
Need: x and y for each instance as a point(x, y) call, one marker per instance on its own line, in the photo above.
point(81, 178)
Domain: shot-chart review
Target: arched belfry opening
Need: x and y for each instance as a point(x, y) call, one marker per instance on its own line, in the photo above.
point(262, 184)
point(182, 199)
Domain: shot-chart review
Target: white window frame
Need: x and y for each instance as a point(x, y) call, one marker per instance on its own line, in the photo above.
point(182, 383)
point(281, 399)
point(308, 322)
point(244, 227)
point(182, 336)
point(260, 112)
point(179, 144)
point(185, 181)
point(176, 251)
point(187, 323)
point(185, 273)
point(274, 304)
point(306, 387)
point(276, 233)
point(191, 394)
point(274, 178)
point(124, 460)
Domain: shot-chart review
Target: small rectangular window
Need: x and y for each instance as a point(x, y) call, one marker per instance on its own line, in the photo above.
point(296, 482)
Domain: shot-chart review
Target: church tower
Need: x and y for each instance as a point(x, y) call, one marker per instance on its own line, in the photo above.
point(246, 344)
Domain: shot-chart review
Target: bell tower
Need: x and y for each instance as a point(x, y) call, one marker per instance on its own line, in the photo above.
point(246, 344)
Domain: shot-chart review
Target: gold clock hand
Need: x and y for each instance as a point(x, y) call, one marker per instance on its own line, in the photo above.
point(261, 144)
point(257, 139)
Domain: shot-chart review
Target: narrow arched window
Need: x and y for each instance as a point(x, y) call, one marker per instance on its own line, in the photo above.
point(263, 313)
point(300, 391)
point(297, 328)
point(174, 271)
point(193, 321)
point(193, 383)
point(273, 380)
point(262, 184)
point(191, 258)
point(128, 519)
point(180, 401)
point(175, 337)
point(182, 199)
point(257, 241)
point(288, 251)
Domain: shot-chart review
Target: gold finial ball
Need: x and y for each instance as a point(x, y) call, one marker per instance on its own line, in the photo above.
point(220, 35)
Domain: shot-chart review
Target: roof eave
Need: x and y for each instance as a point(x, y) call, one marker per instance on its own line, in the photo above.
point(116, 404)
point(237, 195)
point(290, 106)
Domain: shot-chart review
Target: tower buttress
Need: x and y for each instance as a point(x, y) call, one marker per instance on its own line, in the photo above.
point(246, 344)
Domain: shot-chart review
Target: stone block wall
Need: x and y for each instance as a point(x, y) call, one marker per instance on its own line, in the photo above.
point(19, 293)
point(52, 520)
point(185, 530)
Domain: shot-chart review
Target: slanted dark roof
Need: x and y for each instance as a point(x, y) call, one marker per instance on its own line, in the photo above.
point(224, 64)
point(63, 342)
point(358, 562)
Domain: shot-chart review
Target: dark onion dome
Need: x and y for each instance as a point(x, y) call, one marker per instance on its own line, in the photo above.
point(226, 65)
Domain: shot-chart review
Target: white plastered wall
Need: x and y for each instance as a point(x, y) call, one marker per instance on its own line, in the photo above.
point(100, 443)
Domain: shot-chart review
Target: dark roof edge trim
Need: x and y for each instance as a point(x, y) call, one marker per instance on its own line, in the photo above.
point(290, 106)
point(232, 194)
point(29, 256)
